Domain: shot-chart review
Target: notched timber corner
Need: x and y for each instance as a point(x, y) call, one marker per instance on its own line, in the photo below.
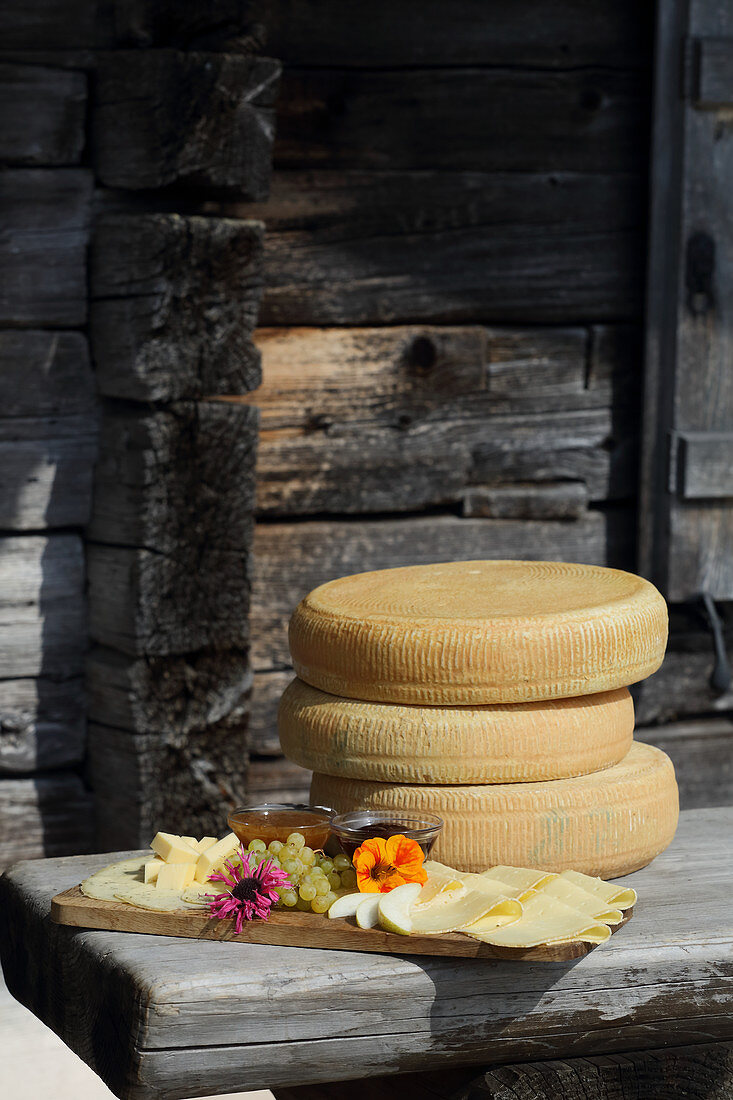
point(96, 161)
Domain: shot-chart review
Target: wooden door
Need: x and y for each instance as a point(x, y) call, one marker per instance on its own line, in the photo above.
point(686, 524)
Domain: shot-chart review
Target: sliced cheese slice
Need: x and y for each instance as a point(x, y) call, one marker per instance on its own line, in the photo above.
point(453, 909)
point(608, 823)
point(523, 879)
point(500, 743)
point(582, 900)
point(476, 632)
point(545, 920)
point(213, 858)
point(104, 884)
point(199, 894)
point(620, 897)
point(146, 896)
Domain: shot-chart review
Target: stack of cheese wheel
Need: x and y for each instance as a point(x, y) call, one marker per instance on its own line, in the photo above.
point(495, 694)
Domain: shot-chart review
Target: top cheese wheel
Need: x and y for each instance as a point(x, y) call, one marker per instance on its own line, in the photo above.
point(479, 632)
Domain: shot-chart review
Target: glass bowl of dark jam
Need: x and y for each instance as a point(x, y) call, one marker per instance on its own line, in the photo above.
point(354, 828)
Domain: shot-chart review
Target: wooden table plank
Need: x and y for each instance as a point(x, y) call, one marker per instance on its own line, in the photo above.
point(169, 1018)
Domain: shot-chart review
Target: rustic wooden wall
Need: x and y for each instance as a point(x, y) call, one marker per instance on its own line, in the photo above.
point(454, 265)
point(126, 306)
point(47, 445)
point(452, 350)
point(175, 297)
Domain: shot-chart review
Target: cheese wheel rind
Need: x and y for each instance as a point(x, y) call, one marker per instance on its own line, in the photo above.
point(605, 824)
point(479, 632)
point(500, 743)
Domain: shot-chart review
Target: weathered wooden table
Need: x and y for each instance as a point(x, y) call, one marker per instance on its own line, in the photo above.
point(172, 1018)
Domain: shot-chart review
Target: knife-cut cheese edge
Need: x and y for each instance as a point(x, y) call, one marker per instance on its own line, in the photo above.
point(620, 897)
point(545, 920)
point(500, 743)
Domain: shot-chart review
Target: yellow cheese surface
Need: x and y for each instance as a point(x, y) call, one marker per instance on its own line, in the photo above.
point(175, 876)
point(499, 743)
point(544, 920)
point(214, 856)
point(152, 867)
point(173, 849)
point(479, 632)
point(609, 823)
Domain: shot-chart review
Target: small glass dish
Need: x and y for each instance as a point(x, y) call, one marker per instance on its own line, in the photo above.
point(354, 828)
point(277, 820)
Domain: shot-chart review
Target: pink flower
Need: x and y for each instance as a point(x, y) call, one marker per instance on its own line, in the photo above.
point(253, 889)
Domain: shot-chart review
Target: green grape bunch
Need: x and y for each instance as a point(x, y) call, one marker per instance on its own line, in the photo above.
point(315, 879)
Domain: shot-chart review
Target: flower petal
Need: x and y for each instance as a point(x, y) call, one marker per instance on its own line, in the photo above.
point(407, 857)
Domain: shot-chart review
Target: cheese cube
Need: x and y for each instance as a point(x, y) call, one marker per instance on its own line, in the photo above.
point(191, 840)
point(175, 876)
point(173, 849)
point(152, 869)
point(214, 856)
point(206, 842)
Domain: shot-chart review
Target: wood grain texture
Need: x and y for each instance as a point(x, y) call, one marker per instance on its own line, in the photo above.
point(593, 119)
point(46, 478)
point(44, 115)
point(687, 544)
point(45, 374)
point(571, 33)
point(702, 754)
point(191, 780)
point(682, 1073)
point(292, 558)
point(179, 480)
point(267, 687)
point(181, 693)
point(172, 1017)
point(175, 300)
point(172, 528)
point(268, 778)
point(47, 24)
point(48, 815)
point(44, 229)
point(42, 615)
point(294, 929)
point(364, 247)
point(682, 687)
point(205, 120)
point(42, 724)
point(398, 419)
point(48, 430)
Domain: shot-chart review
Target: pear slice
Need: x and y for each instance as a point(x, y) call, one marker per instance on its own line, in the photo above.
point(367, 914)
point(395, 906)
point(346, 905)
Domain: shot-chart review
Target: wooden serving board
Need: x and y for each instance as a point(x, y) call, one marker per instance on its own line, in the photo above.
point(289, 928)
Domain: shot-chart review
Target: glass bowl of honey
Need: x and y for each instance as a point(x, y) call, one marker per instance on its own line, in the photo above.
point(277, 820)
point(353, 828)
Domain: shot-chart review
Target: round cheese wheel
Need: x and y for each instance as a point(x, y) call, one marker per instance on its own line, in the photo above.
point(608, 823)
point(499, 743)
point(479, 632)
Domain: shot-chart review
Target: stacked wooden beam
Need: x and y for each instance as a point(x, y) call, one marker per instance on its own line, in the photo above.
point(47, 446)
point(179, 112)
point(175, 297)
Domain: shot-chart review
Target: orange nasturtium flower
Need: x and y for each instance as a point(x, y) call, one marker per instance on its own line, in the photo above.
point(383, 864)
